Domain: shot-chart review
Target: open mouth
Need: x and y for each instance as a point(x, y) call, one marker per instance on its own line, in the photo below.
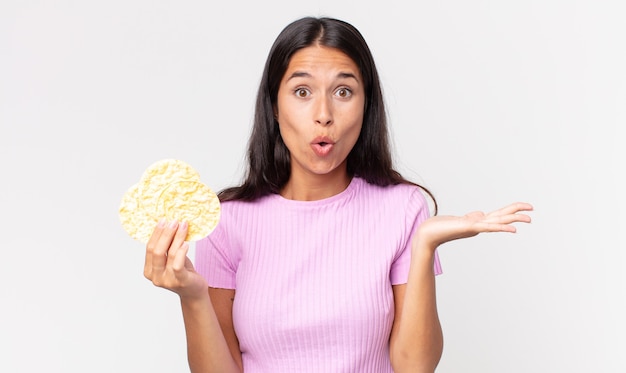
point(323, 141)
point(322, 145)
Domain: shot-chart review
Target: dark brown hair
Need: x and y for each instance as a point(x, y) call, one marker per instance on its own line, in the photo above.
point(268, 157)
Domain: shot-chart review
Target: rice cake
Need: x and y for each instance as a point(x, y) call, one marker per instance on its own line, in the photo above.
point(158, 175)
point(169, 189)
point(136, 221)
point(193, 202)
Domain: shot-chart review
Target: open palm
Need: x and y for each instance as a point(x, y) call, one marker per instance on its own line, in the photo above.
point(441, 229)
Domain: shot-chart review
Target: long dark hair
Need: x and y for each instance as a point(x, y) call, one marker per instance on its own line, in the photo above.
point(268, 157)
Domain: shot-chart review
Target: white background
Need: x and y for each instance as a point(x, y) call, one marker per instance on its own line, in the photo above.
point(490, 102)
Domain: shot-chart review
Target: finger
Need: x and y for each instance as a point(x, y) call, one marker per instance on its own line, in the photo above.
point(158, 229)
point(517, 207)
point(178, 260)
point(159, 255)
point(495, 227)
point(177, 241)
point(513, 209)
point(504, 223)
point(509, 219)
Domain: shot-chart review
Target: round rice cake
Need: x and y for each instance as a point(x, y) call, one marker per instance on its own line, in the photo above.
point(193, 202)
point(136, 221)
point(160, 174)
point(169, 189)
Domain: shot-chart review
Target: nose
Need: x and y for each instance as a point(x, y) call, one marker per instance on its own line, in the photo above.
point(324, 111)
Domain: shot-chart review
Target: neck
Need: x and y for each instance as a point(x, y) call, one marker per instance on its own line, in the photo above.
point(312, 187)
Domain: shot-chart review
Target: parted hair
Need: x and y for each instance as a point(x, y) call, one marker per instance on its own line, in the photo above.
point(268, 158)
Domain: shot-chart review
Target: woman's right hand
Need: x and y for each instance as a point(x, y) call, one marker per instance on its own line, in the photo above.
point(167, 264)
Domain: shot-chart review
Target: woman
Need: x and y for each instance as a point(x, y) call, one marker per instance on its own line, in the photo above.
point(325, 257)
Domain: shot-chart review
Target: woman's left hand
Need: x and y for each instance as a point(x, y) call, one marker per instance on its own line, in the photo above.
point(438, 230)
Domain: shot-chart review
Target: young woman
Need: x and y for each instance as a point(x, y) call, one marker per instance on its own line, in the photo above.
point(325, 257)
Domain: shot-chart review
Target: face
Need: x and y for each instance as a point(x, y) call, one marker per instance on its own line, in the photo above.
point(319, 109)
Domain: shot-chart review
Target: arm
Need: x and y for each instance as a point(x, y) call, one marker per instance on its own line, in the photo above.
point(222, 300)
point(416, 341)
point(168, 266)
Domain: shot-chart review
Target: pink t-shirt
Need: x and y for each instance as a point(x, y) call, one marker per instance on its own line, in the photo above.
point(314, 279)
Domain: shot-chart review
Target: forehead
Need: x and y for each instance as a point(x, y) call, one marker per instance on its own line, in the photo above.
point(315, 58)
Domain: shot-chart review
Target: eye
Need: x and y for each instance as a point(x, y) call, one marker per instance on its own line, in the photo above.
point(344, 92)
point(302, 92)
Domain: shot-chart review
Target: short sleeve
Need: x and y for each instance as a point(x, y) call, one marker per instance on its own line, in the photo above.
point(215, 260)
point(416, 212)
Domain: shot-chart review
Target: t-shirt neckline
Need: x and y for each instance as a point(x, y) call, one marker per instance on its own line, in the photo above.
point(324, 201)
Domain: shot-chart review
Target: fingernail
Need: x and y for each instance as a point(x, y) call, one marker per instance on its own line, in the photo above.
point(174, 223)
point(161, 223)
point(183, 225)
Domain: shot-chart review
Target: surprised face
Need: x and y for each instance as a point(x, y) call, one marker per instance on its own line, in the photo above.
point(319, 109)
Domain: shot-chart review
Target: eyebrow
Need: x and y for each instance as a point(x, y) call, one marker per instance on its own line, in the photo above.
point(304, 74)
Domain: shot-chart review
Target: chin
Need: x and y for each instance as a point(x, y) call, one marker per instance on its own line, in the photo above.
point(326, 171)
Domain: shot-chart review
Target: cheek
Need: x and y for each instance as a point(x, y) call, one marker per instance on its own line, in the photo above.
point(290, 125)
point(286, 118)
point(353, 117)
point(356, 128)
point(288, 133)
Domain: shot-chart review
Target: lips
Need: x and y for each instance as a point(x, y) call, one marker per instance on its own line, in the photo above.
point(322, 145)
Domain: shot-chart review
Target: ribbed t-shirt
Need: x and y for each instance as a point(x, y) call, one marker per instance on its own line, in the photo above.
point(314, 279)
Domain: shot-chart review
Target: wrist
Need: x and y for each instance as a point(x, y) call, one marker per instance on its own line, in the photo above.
point(423, 258)
point(195, 299)
point(422, 248)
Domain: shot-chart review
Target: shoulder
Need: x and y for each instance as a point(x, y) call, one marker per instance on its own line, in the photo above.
point(405, 199)
point(396, 192)
point(234, 211)
point(237, 204)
